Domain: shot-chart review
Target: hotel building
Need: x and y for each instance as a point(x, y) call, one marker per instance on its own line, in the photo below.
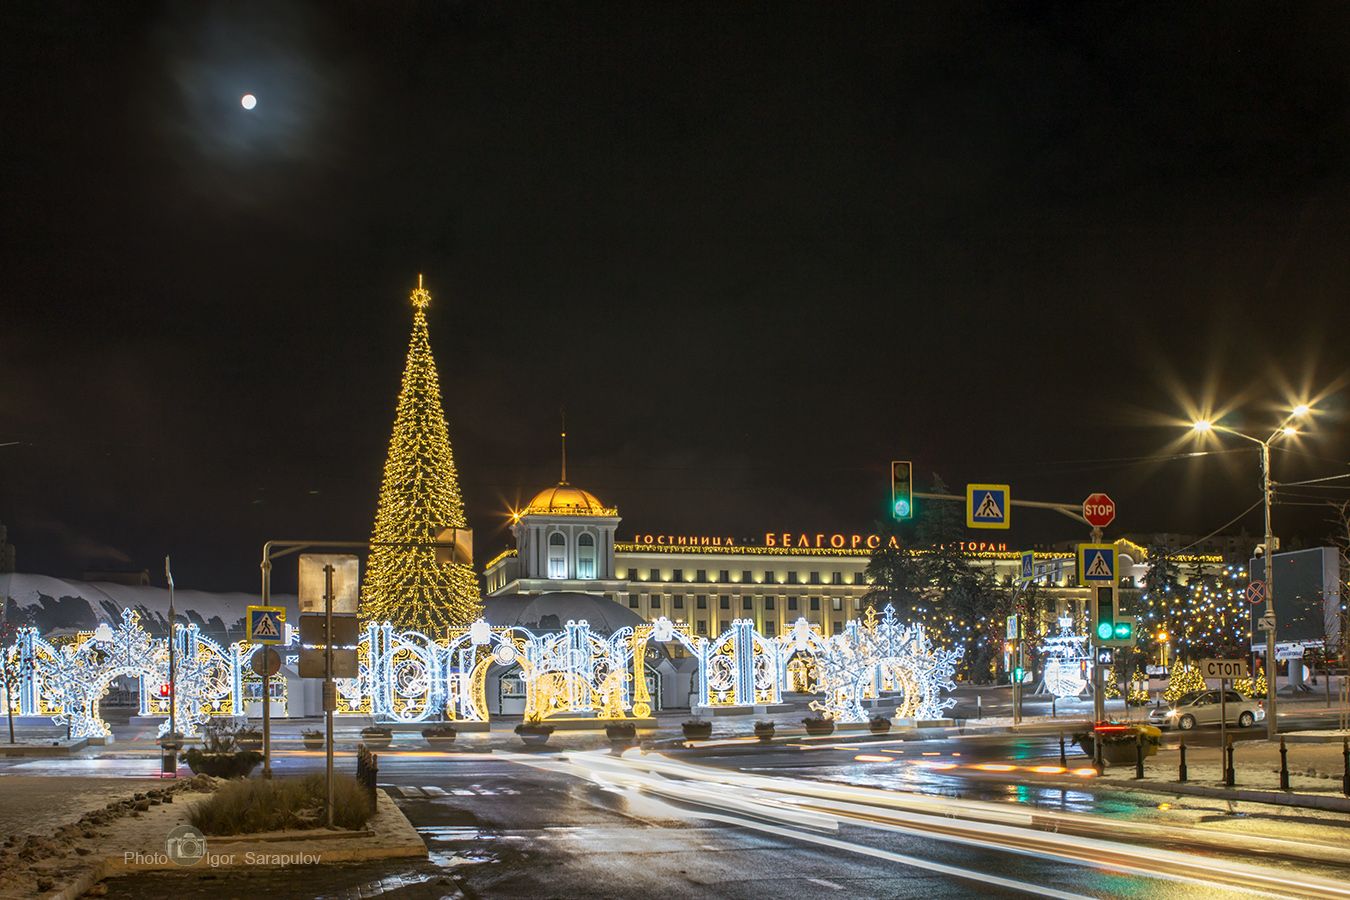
point(566, 541)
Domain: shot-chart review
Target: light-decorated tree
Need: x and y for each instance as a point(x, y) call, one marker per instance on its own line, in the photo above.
point(405, 583)
point(1183, 680)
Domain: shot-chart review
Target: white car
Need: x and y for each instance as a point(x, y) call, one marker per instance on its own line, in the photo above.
point(1204, 708)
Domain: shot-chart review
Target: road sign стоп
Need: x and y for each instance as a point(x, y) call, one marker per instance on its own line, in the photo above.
point(1099, 510)
point(1223, 668)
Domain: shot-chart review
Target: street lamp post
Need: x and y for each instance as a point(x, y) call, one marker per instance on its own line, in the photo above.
point(1285, 430)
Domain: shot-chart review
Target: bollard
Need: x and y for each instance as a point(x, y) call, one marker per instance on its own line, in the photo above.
point(1229, 776)
point(1138, 756)
point(1284, 766)
point(1181, 772)
point(1063, 760)
point(1097, 762)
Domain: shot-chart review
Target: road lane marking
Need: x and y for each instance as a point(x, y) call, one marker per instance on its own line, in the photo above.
point(829, 884)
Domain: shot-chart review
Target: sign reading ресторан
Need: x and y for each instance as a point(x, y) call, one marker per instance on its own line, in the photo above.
point(793, 540)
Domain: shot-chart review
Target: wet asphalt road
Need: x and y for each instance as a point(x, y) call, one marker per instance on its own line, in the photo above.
point(498, 828)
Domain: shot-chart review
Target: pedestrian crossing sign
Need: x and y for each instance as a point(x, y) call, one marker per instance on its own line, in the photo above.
point(988, 506)
point(1028, 566)
point(265, 624)
point(1097, 563)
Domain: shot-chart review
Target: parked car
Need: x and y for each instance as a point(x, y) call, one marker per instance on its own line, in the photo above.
point(1204, 708)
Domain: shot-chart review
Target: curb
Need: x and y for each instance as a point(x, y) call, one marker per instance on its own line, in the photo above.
point(1276, 798)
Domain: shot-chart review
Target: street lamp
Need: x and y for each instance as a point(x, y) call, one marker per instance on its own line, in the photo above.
point(1284, 430)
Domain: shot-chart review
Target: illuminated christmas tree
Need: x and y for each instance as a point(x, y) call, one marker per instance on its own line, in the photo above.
point(405, 583)
point(1183, 680)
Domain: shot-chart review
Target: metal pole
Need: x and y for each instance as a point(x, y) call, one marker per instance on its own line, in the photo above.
point(173, 683)
point(267, 677)
point(1098, 700)
point(1272, 728)
point(328, 683)
point(1223, 715)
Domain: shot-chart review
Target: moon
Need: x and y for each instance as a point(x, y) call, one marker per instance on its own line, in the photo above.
point(248, 101)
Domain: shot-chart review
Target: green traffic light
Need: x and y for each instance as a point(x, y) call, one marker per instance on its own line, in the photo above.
point(1124, 631)
point(1019, 674)
point(1105, 630)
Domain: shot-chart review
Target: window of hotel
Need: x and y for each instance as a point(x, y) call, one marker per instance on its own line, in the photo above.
point(859, 578)
point(722, 603)
point(677, 575)
point(586, 556)
point(770, 627)
point(768, 576)
point(656, 602)
point(557, 555)
point(746, 577)
point(815, 604)
point(838, 578)
point(792, 577)
point(632, 604)
point(632, 574)
point(701, 575)
point(838, 627)
point(724, 576)
point(792, 603)
point(678, 603)
point(746, 603)
point(702, 627)
point(815, 578)
point(857, 603)
point(702, 601)
point(653, 574)
point(837, 603)
point(768, 603)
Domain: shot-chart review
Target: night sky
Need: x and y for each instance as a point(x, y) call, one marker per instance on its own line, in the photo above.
point(756, 250)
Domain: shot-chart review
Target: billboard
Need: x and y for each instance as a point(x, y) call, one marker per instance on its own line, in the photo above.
point(1307, 595)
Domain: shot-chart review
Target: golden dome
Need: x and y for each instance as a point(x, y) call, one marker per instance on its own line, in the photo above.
point(564, 500)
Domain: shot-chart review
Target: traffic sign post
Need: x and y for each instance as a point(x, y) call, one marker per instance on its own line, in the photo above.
point(1224, 670)
point(1028, 566)
point(1099, 510)
point(1256, 592)
point(1096, 564)
point(266, 624)
point(989, 506)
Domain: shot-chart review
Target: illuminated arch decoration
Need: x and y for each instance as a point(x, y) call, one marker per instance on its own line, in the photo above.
point(408, 676)
point(1066, 662)
point(354, 694)
point(81, 671)
point(472, 651)
point(875, 655)
point(662, 631)
point(208, 679)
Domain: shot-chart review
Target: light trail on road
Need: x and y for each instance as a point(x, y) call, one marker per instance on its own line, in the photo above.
point(802, 810)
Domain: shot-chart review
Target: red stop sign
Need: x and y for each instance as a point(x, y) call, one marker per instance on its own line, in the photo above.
point(1099, 510)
